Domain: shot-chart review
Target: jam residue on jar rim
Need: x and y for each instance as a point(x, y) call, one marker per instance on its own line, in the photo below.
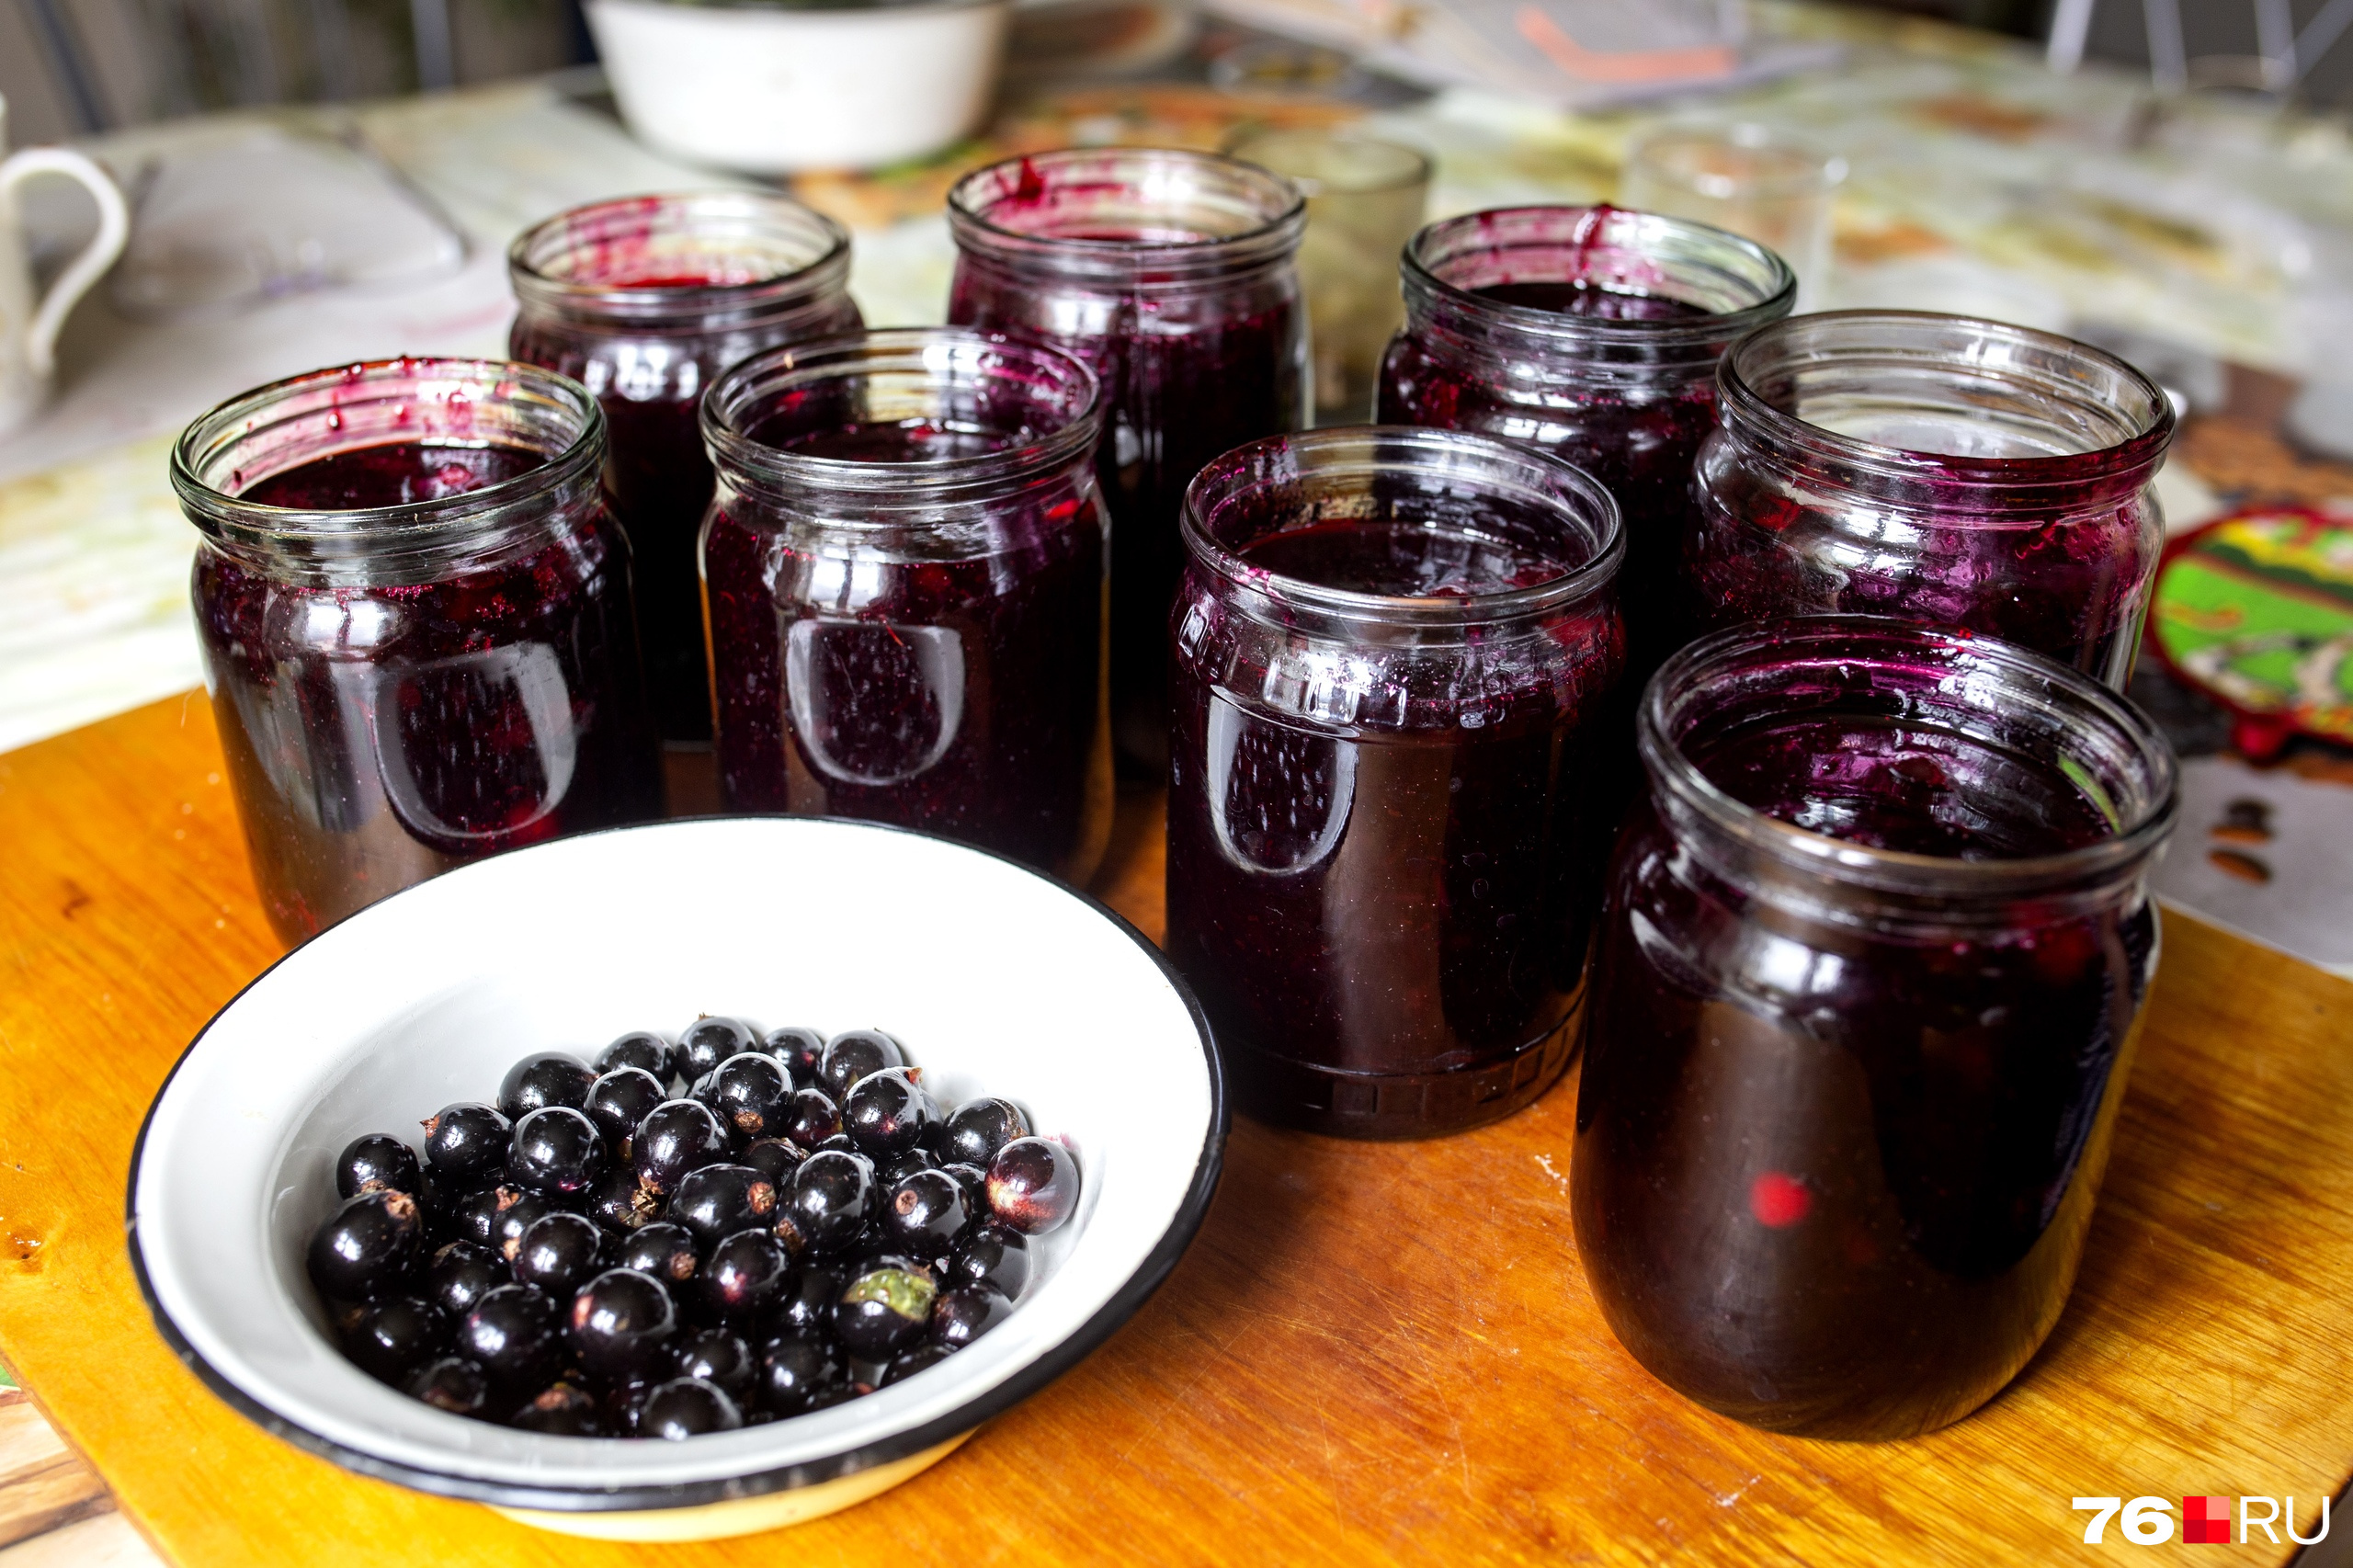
point(2120, 428)
point(1222, 491)
point(1190, 210)
point(1837, 661)
point(705, 257)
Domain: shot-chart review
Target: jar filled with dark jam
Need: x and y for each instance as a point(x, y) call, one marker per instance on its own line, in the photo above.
point(904, 567)
point(415, 609)
point(1171, 274)
point(645, 301)
point(1945, 470)
point(1869, 981)
point(1592, 332)
point(1396, 655)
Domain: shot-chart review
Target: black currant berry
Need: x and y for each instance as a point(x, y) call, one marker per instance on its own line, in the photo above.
point(390, 1340)
point(542, 1079)
point(719, 1200)
point(556, 1151)
point(907, 1363)
point(889, 1113)
point(721, 1359)
point(1033, 1184)
point(465, 1144)
point(961, 1316)
point(559, 1252)
point(976, 1130)
point(643, 1050)
point(676, 1137)
point(461, 1274)
point(885, 1308)
point(663, 1249)
point(514, 1334)
point(452, 1383)
point(993, 1256)
point(561, 1410)
point(925, 1213)
point(799, 1050)
point(899, 1167)
point(496, 1218)
point(378, 1162)
point(831, 1198)
point(807, 1306)
point(744, 1276)
point(749, 1094)
point(687, 1407)
point(367, 1249)
point(620, 1203)
point(811, 1118)
point(621, 1324)
point(710, 1041)
point(975, 1183)
point(775, 1159)
point(620, 1099)
point(840, 1143)
point(852, 1055)
point(793, 1367)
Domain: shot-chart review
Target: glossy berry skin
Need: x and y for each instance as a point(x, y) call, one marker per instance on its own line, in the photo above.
point(676, 1137)
point(812, 1116)
point(620, 1203)
point(513, 1333)
point(907, 1363)
point(719, 1200)
point(792, 1368)
point(665, 1250)
point(721, 1359)
point(556, 1152)
point(710, 1041)
point(840, 1143)
point(451, 1383)
point(899, 1167)
point(621, 1325)
point(390, 1340)
point(643, 1050)
point(619, 1100)
point(744, 1276)
point(925, 1213)
point(889, 1113)
point(775, 1158)
point(687, 1407)
point(378, 1162)
point(800, 1051)
point(542, 1079)
point(832, 1197)
point(975, 1183)
point(975, 1130)
point(559, 1252)
point(807, 1306)
point(1033, 1184)
point(961, 1316)
point(463, 1273)
point(367, 1249)
point(884, 1309)
point(561, 1410)
point(465, 1144)
point(993, 1257)
point(852, 1055)
point(749, 1094)
point(496, 1218)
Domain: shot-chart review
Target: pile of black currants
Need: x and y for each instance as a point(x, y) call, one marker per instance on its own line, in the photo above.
point(593, 1256)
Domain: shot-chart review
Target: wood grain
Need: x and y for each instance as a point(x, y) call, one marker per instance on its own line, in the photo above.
point(1373, 1354)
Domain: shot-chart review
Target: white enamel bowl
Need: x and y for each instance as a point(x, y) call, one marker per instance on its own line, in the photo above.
point(998, 980)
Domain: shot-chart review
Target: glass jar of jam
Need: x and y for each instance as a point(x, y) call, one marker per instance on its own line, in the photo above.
point(1171, 274)
point(645, 301)
point(1866, 994)
point(1396, 655)
point(415, 610)
point(1948, 471)
point(904, 567)
point(1592, 332)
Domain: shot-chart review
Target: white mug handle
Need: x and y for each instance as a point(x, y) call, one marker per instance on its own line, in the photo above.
point(114, 229)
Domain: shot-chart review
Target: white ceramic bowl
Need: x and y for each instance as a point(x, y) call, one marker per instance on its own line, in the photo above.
point(770, 90)
point(998, 980)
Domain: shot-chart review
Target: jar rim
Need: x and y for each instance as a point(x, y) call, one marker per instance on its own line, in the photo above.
point(792, 225)
point(1978, 663)
point(1956, 347)
point(1777, 290)
point(754, 382)
point(212, 435)
point(972, 199)
point(1542, 477)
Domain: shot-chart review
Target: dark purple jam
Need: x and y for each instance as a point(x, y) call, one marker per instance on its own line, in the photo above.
point(378, 734)
point(959, 696)
point(1387, 919)
point(1579, 297)
point(1834, 1179)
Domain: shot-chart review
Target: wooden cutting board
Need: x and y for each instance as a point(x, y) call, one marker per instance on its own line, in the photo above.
point(1378, 1354)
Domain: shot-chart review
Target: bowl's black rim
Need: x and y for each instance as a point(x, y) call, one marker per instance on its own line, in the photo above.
point(1124, 1304)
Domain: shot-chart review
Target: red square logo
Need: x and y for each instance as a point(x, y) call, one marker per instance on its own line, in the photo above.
point(2206, 1520)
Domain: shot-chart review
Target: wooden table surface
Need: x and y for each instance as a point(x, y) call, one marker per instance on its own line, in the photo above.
point(1373, 1353)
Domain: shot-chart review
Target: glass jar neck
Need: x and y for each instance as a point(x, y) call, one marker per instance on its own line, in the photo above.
point(707, 262)
point(1127, 217)
point(2065, 731)
point(229, 451)
point(1942, 413)
point(1737, 282)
